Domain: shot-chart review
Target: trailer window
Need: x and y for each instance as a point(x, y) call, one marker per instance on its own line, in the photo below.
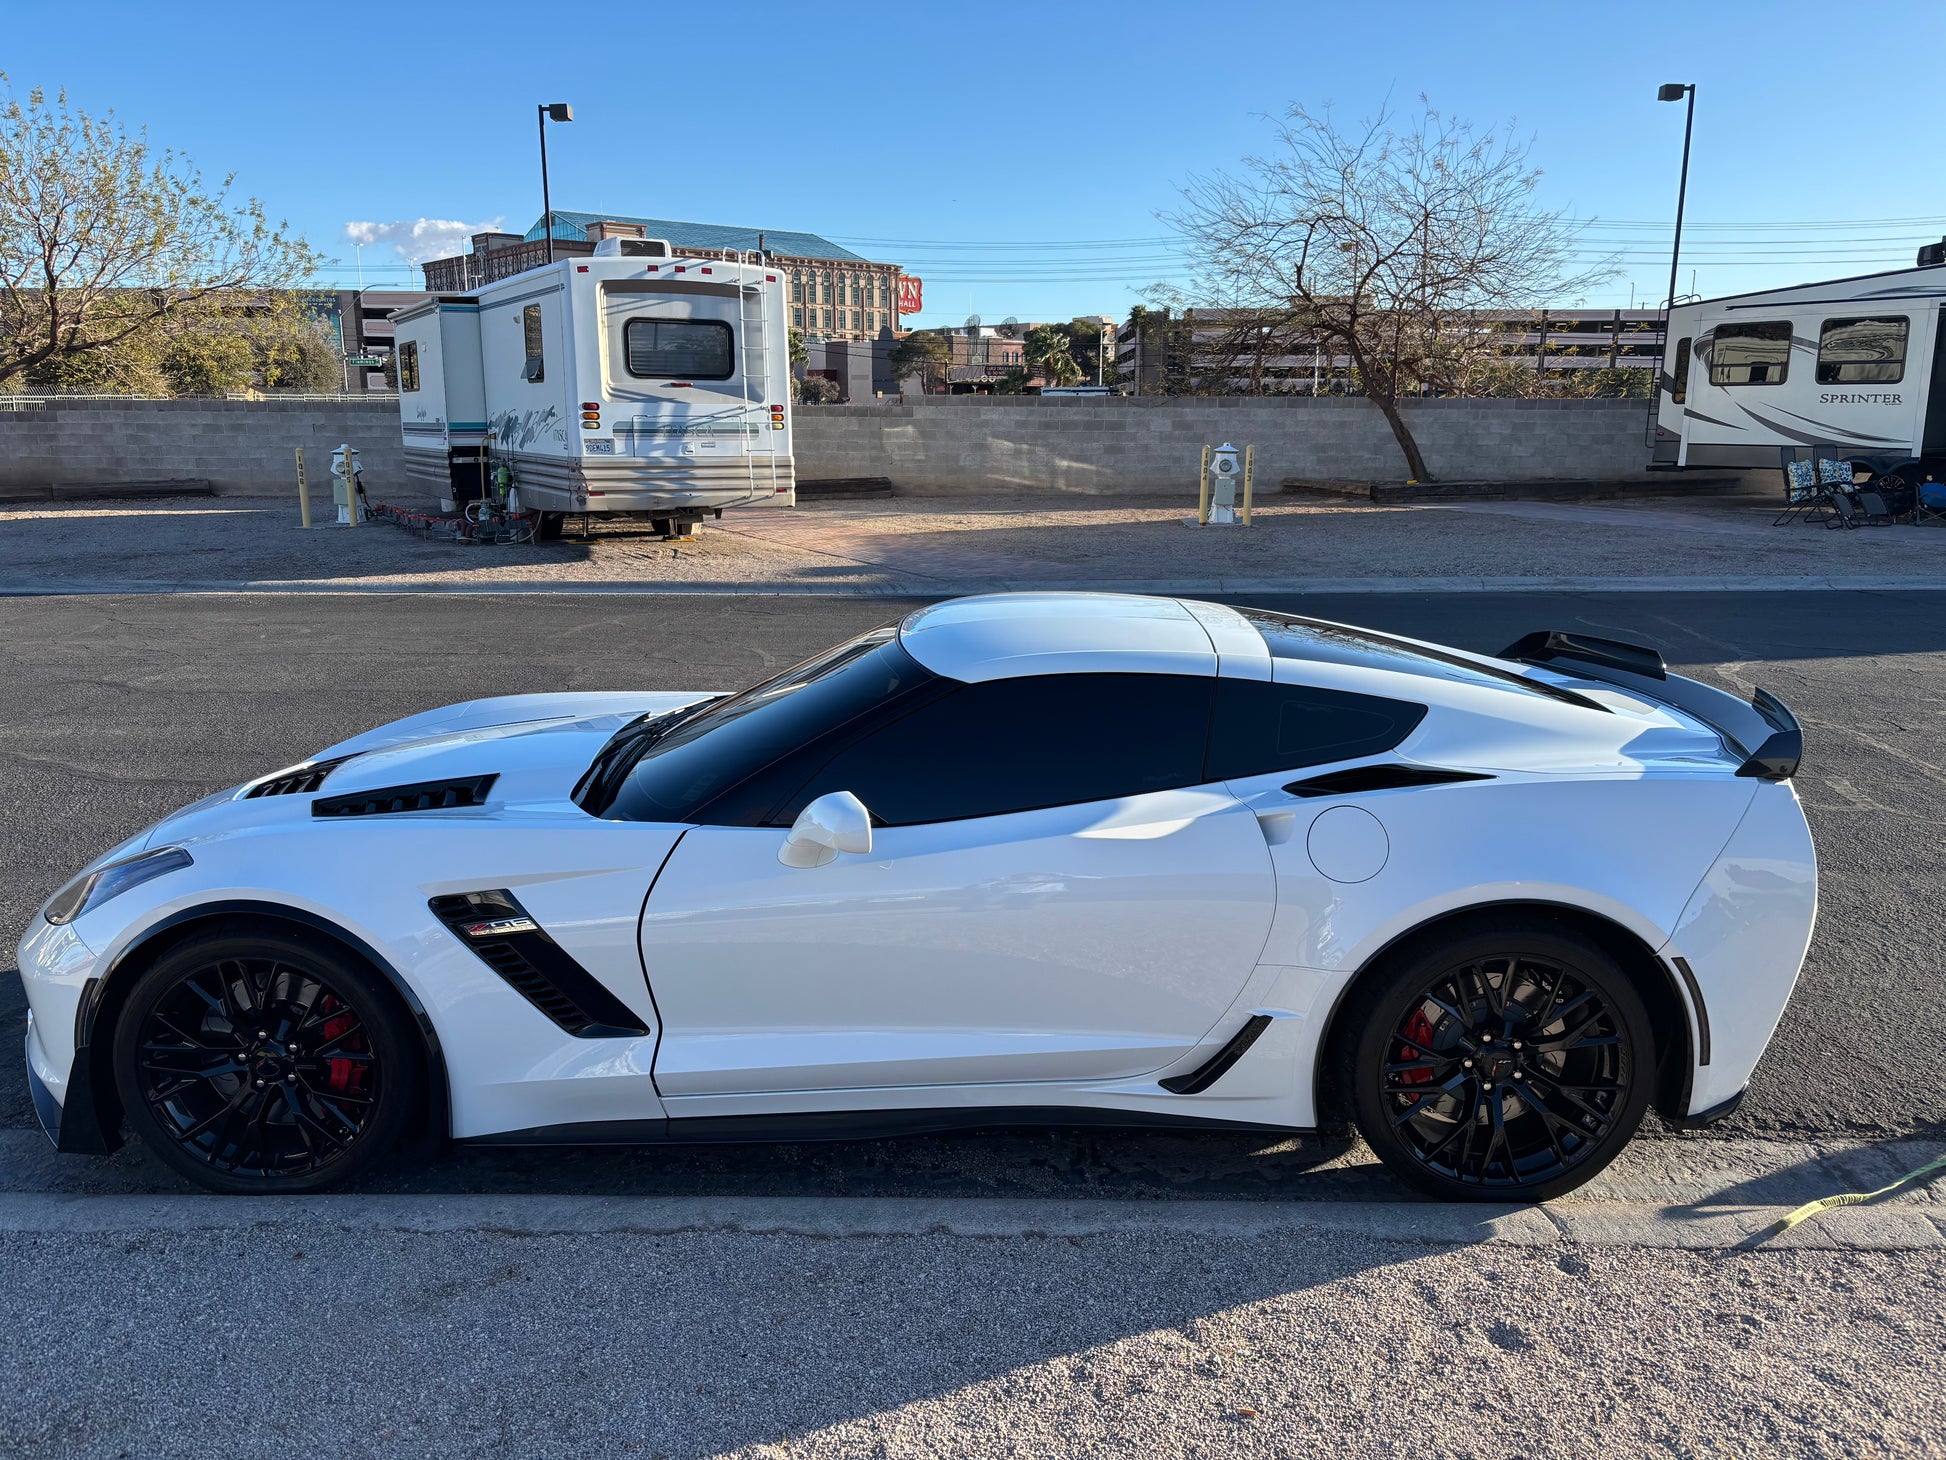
point(409, 365)
point(1679, 388)
point(530, 329)
point(1862, 351)
point(678, 349)
point(1751, 354)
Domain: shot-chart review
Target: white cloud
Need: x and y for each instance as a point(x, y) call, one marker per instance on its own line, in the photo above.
point(418, 239)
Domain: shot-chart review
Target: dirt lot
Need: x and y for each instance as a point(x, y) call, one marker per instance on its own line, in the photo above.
point(932, 545)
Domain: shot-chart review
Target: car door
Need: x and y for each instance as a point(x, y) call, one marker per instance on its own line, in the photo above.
point(1054, 893)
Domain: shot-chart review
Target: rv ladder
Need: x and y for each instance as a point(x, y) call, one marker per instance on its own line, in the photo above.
point(757, 315)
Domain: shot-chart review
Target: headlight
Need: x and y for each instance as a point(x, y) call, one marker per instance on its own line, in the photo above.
point(92, 889)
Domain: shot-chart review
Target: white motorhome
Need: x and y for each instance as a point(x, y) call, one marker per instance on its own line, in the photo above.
point(1854, 365)
point(629, 382)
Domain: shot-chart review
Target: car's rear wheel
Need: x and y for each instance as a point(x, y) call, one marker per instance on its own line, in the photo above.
point(256, 1061)
point(1511, 1063)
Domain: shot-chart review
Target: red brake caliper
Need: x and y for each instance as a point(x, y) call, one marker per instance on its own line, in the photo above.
point(1418, 1028)
point(344, 1076)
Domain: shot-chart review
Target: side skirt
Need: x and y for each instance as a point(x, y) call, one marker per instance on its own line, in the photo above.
point(846, 1125)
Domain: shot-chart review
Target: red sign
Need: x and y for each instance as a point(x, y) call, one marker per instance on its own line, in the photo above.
point(912, 295)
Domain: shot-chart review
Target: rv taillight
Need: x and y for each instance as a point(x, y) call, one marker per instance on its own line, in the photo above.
point(770, 278)
point(702, 271)
point(682, 268)
point(591, 405)
point(581, 268)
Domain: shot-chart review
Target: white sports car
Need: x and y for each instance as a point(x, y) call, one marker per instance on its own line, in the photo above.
point(1040, 857)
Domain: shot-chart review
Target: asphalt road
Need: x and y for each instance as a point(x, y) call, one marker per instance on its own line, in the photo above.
point(120, 709)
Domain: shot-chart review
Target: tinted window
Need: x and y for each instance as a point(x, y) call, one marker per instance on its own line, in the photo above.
point(1019, 744)
point(677, 349)
point(1862, 351)
point(735, 738)
point(533, 368)
point(1751, 354)
point(1679, 392)
point(1292, 637)
point(409, 365)
point(1262, 727)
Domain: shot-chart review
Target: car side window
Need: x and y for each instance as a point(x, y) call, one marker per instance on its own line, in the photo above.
point(1022, 744)
point(1262, 727)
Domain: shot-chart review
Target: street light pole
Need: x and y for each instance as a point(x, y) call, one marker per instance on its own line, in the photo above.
point(558, 111)
point(1677, 91)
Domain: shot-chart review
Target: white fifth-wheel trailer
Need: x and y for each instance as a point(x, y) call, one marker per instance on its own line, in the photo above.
point(1855, 366)
point(631, 382)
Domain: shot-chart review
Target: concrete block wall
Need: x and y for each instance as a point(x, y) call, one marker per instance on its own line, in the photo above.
point(242, 447)
point(1153, 444)
point(930, 445)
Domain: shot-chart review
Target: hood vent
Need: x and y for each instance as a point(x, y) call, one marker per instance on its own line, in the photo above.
point(298, 781)
point(425, 796)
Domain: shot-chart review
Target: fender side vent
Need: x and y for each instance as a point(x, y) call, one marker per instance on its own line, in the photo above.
point(1379, 778)
point(511, 943)
point(425, 796)
point(297, 781)
point(1218, 1065)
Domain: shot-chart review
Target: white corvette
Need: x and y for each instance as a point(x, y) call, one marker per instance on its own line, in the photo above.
point(1024, 858)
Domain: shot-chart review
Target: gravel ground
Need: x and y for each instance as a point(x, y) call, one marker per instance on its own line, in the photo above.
point(929, 541)
point(301, 1340)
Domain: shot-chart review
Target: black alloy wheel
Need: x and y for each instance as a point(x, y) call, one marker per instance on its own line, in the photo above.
point(265, 1063)
point(1510, 1065)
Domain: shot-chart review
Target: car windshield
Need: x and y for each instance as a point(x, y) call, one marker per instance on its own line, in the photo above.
point(1290, 636)
point(733, 738)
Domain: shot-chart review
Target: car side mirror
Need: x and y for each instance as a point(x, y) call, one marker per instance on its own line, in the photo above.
point(834, 823)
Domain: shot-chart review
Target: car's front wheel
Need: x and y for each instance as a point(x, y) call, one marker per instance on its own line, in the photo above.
point(258, 1061)
point(1511, 1063)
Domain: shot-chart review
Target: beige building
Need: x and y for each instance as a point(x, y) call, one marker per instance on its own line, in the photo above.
point(833, 293)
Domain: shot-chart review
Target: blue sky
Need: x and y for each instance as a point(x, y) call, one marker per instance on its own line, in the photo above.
point(1015, 155)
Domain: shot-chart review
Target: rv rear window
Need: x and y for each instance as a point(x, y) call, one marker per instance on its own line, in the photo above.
point(1862, 351)
point(409, 365)
point(534, 369)
point(1679, 391)
point(678, 349)
point(1751, 354)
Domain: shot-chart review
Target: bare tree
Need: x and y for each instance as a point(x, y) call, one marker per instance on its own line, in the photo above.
point(104, 242)
point(1383, 242)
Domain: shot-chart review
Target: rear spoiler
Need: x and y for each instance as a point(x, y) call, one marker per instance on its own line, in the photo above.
point(1763, 731)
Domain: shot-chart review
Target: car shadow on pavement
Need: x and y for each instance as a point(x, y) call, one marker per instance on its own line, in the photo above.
point(1044, 1162)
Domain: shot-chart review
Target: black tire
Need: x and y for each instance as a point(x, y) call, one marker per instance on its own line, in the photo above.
point(1509, 1063)
point(319, 1091)
point(547, 526)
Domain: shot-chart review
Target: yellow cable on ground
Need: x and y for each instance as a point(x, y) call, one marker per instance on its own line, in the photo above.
point(1847, 1199)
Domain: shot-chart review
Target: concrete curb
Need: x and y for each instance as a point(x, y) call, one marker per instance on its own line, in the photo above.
point(1560, 1224)
point(931, 588)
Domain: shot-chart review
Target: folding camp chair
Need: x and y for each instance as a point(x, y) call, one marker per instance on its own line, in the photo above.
point(1929, 502)
point(1851, 505)
point(1803, 495)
